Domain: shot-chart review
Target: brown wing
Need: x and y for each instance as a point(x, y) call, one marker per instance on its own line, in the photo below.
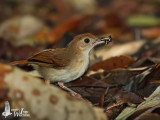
point(55, 58)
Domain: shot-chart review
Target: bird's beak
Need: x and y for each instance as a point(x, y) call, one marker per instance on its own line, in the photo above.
point(101, 40)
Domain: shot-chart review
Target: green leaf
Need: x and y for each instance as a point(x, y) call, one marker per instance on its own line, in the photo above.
point(143, 21)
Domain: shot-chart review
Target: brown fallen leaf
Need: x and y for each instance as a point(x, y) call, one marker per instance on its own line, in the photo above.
point(114, 111)
point(151, 32)
point(152, 82)
point(123, 96)
point(87, 81)
point(122, 100)
point(150, 102)
point(150, 114)
point(113, 63)
point(149, 49)
point(143, 80)
point(145, 62)
point(88, 87)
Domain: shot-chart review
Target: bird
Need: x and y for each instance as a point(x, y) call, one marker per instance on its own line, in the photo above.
point(63, 65)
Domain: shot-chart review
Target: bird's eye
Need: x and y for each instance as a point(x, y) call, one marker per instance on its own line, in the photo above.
point(86, 40)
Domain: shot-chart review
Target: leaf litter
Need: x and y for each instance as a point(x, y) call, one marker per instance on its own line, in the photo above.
point(123, 77)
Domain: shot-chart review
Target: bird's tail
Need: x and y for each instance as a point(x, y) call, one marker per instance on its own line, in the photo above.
point(20, 62)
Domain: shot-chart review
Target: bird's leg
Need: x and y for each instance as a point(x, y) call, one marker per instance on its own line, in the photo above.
point(47, 82)
point(61, 84)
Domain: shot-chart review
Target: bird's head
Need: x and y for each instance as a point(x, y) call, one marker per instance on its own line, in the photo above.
point(85, 42)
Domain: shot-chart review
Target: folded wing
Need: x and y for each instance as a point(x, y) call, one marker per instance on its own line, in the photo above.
point(54, 58)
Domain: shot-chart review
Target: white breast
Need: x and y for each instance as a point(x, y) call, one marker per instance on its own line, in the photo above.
point(74, 71)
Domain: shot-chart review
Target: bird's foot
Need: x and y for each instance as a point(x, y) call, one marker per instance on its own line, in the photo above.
point(61, 84)
point(47, 81)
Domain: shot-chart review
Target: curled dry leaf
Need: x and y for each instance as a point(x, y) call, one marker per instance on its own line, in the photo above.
point(44, 101)
point(117, 99)
point(113, 63)
point(122, 96)
point(151, 83)
point(151, 101)
point(123, 76)
point(150, 114)
point(137, 81)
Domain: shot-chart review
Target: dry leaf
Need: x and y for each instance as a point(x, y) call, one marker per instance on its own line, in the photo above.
point(113, 63)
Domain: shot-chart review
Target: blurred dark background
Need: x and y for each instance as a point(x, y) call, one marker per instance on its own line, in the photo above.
point(27, 26)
